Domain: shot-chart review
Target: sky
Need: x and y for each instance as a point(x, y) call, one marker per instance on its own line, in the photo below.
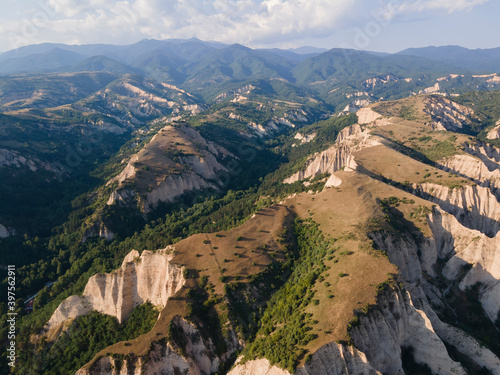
point(376, 25)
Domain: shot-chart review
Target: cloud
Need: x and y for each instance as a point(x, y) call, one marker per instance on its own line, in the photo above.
point(450, 6)
point(251, 22)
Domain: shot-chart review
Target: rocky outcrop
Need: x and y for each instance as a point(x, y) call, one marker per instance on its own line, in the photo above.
point(331, 359)
point(333, 180)
point(98, 229)
point(460, 247)
point(475, 207)
point(176, 160)
point(488, 154)
point(357, 94)
point(10, 158)
point(176, 185)
point(149, 277)
point(257, 366)
point(245, 90)
point(475, 169)
point(339, 156)
point(195, 355)
point(367, 115)
point(305, 138)
point(337, 359)
point(14, 159)
point(395, 323)
point(446, 114)
point(376, 81)
point(350, 131)
point(453, 246)
point(356, 105)
point(431, 90)
point(328, 161)
point(495, 132)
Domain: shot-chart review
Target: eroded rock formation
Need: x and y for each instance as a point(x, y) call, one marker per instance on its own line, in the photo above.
point(148, 277)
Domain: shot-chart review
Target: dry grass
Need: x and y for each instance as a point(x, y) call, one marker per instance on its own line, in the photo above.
point(391, 164)
point(411, 108)
point(344, 213)
point(205, 253)
point(244, 257)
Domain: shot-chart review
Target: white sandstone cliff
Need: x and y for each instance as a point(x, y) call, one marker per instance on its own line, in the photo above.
point(349, 140)
point(197, 356)
point(154, 175)
point(474, 206)
point(446, 114)
point(149, 277)
point(495, 132)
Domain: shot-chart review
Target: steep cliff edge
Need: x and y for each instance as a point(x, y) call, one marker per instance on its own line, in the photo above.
point(473, 168)
point(495, 132)
point(337, 157)
point(394, 324)
point(447, 114)
point(331, 359)
point(149, 277)
point(379, 338)
point(460, 258)
point(196, 355)
point(176, 160)
point(475, 207)
point(471, 257)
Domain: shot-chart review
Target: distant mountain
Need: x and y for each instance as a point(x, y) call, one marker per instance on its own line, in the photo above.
point(101, 64)
point(239, 63)
point(476, 61)
point(49, 61)
point(297, 57)
point(307, 50)
point(343, 64)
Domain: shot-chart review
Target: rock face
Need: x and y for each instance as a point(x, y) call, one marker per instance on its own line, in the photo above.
point(356, 105)
point(367, 115)
point(132, 102)
point(454, 247)
point(474, 206)
point(396, 323)
point(176, 160)
point(98, 229)
point(475, 169)
point(431, 90)
point(328, 161)
point(13, 159)
point(197, 356)
point(149, 277)
point(350, 139)
point(331, 359)
point(446, 114)
point(305, 138)
point(460, 247)
point(495, 132)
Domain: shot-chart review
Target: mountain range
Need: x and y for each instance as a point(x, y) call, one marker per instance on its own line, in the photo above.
point(190, 207)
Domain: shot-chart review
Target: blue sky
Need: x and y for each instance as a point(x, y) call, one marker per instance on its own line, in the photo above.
point(378, 25)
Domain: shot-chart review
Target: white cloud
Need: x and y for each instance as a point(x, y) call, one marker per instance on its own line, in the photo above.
point(251, 22)
point(450, 6)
